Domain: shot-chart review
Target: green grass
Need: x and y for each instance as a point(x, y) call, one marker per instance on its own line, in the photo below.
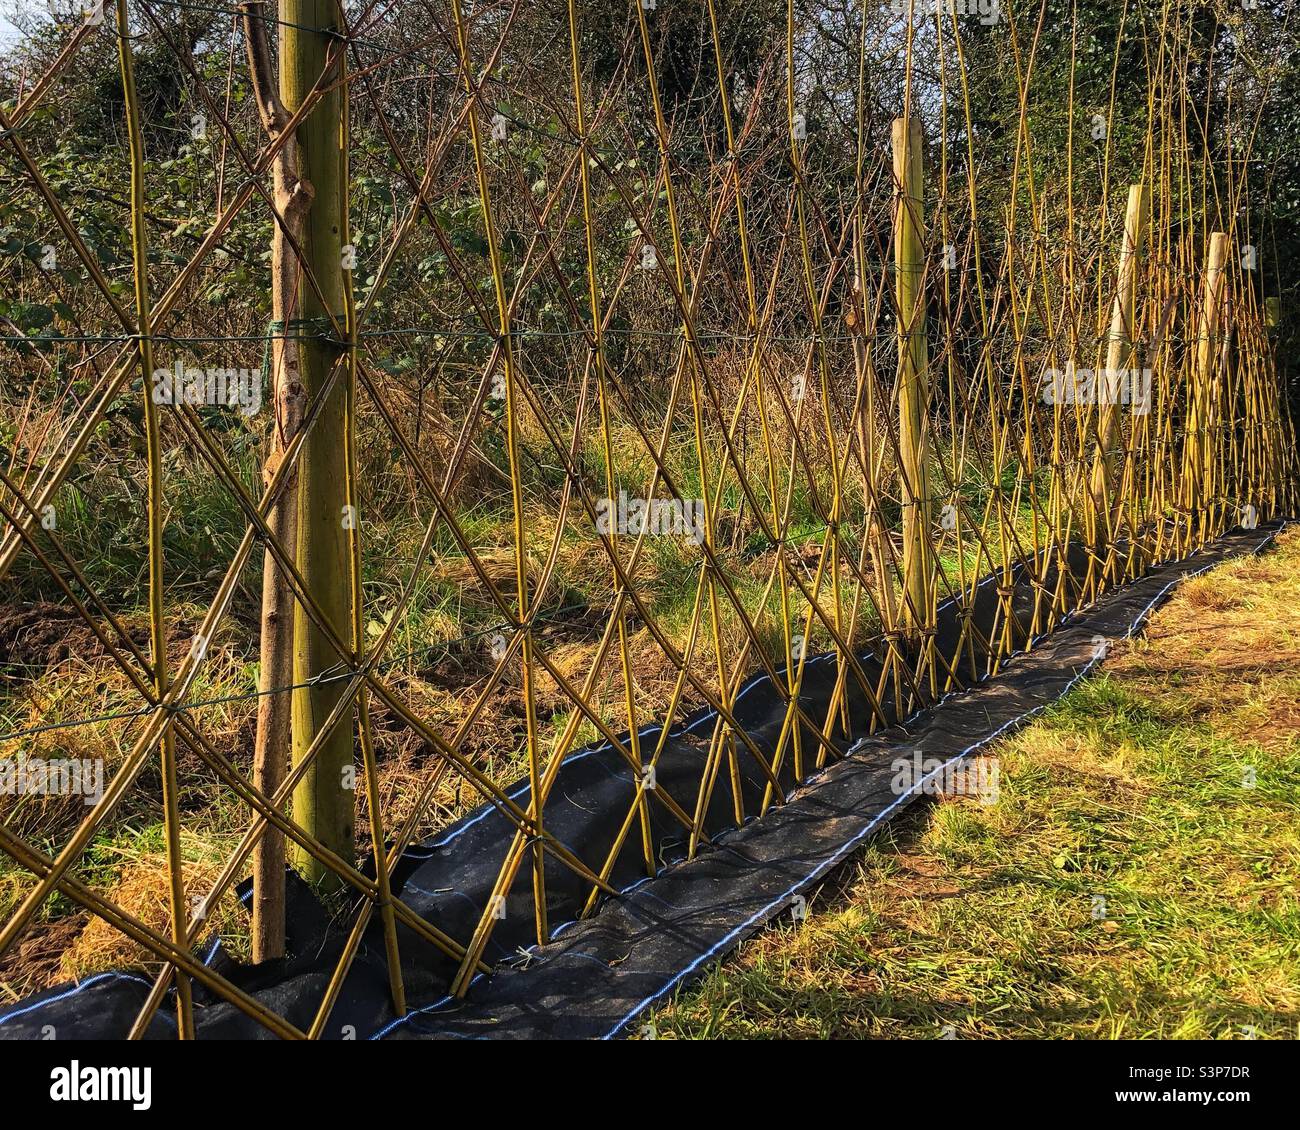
point(1167, 787)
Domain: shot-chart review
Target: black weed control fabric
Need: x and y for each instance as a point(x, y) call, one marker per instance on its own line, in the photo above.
point(597, 975)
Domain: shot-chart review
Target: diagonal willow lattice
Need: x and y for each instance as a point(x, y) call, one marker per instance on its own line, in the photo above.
point(863, 305)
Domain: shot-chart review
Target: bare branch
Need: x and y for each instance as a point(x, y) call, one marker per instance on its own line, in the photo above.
point(261, 68)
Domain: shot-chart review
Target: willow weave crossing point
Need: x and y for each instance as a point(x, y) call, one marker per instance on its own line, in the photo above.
point(618, 421)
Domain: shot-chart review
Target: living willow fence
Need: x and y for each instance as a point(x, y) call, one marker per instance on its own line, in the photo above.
point(662, 345)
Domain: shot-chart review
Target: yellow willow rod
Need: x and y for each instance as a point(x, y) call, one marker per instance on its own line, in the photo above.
point(153, 441)
point(817, 584)
point(516, 485)
point(420, 205)
point(863, 586)
point(593, 295)
point(343, 868)
point(819, 349)
point(222, 767)
point(757, 329)
point(107, 389)
point(888, 568)
point(705, 692)
point(739, 674)
point(505, 877)
point(709, 574)
point(957, 451)
point(112, 384)
point(813, 604)
point(1026, 470)
point(1095, 582)
point(995, 416)
point(271, 810)
point(1022, 160)
point(782, 521)
point(177, 689)
point(580, 702)
point(628, 591)
point(369, 763)
point(507, 871)
point(356, 935)
point(692, 346)
point(723, 740)
point(708, 694)
point(752, 369)
point(39, 864)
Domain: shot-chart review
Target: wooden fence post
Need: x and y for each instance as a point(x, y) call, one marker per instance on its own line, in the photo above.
point(1103, 514)
point(1198, 451)
point(323, 802)
point(913, 394)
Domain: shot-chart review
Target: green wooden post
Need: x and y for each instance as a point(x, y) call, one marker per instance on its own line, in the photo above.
point(1200, 445)
point(1119, 359)
point(913, 362)
point(323, 803)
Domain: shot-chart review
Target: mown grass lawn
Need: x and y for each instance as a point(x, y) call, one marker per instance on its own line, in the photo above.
point(1138, 877)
